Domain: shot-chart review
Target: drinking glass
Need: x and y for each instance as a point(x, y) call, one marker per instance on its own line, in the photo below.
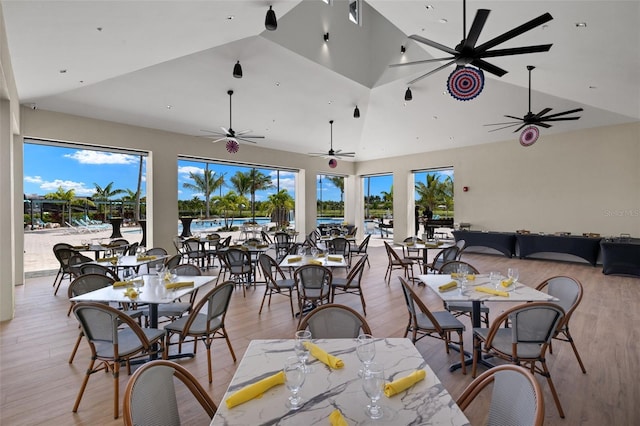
point(314, 252)
point(373, 382)
point(462, 276)
point(495, 278)
point(295, 374)
point(302, 337)
point(513, 275)
point(160, 271)
point(366, 351)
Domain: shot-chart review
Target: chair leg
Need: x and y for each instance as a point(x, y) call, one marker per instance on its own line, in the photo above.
point(476, 352)
point(293, 315)
point(266, 289)
point(364, 305)
point(463, 364)
point(208, 345)
point(83, 386)
point(545, 372)
point(75, 347)
point(575, 350)
point(116, 387)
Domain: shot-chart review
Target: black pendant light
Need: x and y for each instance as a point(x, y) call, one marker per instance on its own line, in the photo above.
point(237, 70)
point(270, 22)
point(356, 112)
point(408, 95)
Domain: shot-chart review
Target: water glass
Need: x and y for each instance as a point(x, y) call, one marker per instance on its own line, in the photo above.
point(294, 378)
point(302, 337)
point(495, 278)
point(513, 275)
point(373, 382)
point(366, 351)
point(463, 270)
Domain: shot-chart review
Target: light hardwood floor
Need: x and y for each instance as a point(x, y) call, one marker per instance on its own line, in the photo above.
point(38, 386)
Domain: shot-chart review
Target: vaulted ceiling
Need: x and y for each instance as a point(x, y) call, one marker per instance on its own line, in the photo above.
point(168, 65)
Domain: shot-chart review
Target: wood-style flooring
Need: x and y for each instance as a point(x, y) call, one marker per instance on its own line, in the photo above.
point(39, 386)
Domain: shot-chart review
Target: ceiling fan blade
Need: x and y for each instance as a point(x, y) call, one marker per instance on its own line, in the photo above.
point(226, 132)
point(517, 50)
point(433, 44)
point(501, 128)
point(564, 113)
point(541, 124)
point(514, 117)
point(476, 28)
point(317, 154)
point(488, 67)
point(431, 72)
point(560, 119)
point(346, 154)
point(244, 140)
point(506, 122)
point(219, 140)
point(541, 113)
point(212, 131)
point(424, 61)
point(520, 128)
point(514, 32)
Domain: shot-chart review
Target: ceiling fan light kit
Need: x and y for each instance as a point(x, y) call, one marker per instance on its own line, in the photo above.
point(237, 70)
point(270, 21)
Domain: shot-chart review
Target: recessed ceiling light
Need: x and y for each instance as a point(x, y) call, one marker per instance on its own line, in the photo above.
point(443, 20)
point(435, 117)
point(230, 17)
point(429, 7)
point(581, 24)
point(277, 84)
point(99, 28)
point(62, 71)
point(593, 87)
point(169, 106)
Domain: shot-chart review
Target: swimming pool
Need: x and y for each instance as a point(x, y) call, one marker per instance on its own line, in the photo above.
point(208, 225)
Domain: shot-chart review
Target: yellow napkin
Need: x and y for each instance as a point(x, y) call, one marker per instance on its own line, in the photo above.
point(337, 419)
point(320, 254)
point(126, 283)
point(131, 293)
point(321, 355)
point(470, 277)
point(212, 237)
point(334, 258)
point(255, 390)
point(294, 259)
point(143, 258)
point(492, 291)
point(507, 282)
point(179, 284)
point(403, 383)
point(108, 259)
point(315, 262)
point(448, 286)
point(409, 244)
point(262, 245)
point(432, 245)
point(84, 247)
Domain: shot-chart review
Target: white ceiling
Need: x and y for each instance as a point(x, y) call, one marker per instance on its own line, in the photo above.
point(126, 61)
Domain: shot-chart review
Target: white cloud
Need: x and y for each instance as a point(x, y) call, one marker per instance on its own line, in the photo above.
point(98, 157)
point(190, 169)
point(79, 187)
point(33, 179)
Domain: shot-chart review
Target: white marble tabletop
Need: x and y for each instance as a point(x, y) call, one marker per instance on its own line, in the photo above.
point(305, 260)
point(518, 293)
point(324, 390)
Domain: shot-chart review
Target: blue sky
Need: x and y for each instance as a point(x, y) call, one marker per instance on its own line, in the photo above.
point(46, 168)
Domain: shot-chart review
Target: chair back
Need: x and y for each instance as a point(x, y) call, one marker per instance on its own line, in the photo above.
point(355, 274)
point(452, 266)
point(87, 283)
point(340, 245)
point(283, 243)
point(364, 245)
point(444, 256)
point(266, 238)
point(508, 380)
point(150, 397)
point(413, 301)
point(216, 302)
point(270, 267)
point(156, 251)
point(75, 261)
point(177, 244)
point(534, 324)
point(313, 281)
point(188, 269)
point(119, 246)
point(173, 261)
point(391, 253)
point(100, 324)
point(461, 244)
point(95, 268)
point(63, 255)
point(236, 259)
point(567, 290)
point(333, 321)
point(132, 250)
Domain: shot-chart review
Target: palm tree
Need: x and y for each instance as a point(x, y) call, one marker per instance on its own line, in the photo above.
point(66, 196)
point(241, 183)
point(259, 182)
point(387, 198)
point(131, 197)
point(278, 206)
point(104, 195)
point(136, 212)
point(435, 192)
point(228, 203)
point(206, 183)
point(338, 182)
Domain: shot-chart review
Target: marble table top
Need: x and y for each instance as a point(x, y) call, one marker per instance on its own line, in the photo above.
point(305, 260)
point(325, 390)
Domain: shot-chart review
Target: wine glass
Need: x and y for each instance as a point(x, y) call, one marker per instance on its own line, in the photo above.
point(463, 270)
point(294, 374)
point(302, 337)
point(373, 382)
point(314, 252)
point(366, 351)
point(513, 275)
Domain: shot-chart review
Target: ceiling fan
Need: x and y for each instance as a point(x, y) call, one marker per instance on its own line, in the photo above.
point(467, 53)
point(531, 119)
point(231, 135)
point(331, 154)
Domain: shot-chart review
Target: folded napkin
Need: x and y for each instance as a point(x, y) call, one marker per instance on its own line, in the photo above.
point(492, 291)
point(448, 286)
point(255, 390)
point(212, 237)
point(337, 419)
point(143, 258)
point(84, 247)
point(262, 245)
point(131, 292)
point(108, 259)
point(320, 254)
point(126, 283)
point(507, 282)
point(321, 355)
point(408, 244)
point(403, 383)
point(315, 262)
point(334, 258)
point(294, 259)
point(179, 284)
point(470, 277)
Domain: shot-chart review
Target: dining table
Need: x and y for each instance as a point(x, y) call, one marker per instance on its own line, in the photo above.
point(293, 261)
point(326, 390)
point(424, 247)
point(516, 293)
